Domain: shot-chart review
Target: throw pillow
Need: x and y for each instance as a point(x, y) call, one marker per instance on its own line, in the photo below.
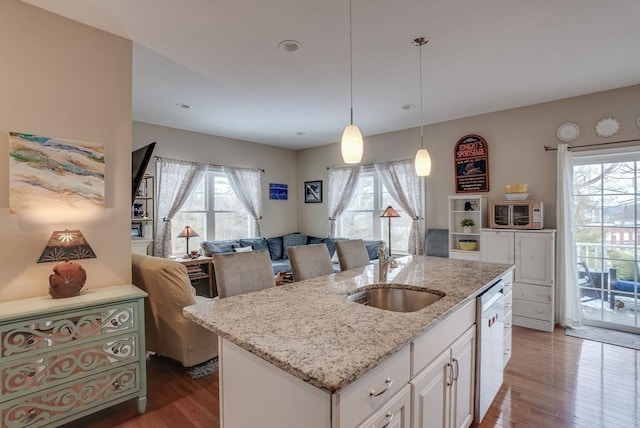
point(255, 243)
point(275, 247)
point(244, 249)
point(219, 247)
point(292, 240)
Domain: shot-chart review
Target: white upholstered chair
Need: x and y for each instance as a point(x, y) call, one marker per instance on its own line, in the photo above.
point(238, 273)
point(352, 254)
point(309, 261)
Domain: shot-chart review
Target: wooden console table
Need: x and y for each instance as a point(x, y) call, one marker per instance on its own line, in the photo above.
point(200, 268)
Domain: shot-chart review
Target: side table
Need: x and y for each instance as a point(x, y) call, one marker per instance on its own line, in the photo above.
point(200, 268)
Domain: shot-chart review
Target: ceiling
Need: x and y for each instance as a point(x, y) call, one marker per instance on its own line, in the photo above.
point(221, 57)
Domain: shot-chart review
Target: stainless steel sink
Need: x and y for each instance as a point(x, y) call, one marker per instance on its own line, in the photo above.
point(396, 299)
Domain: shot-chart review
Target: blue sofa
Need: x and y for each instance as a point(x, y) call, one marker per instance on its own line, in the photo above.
point(277, 247)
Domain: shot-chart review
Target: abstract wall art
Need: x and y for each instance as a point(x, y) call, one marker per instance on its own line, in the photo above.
point(52, 173)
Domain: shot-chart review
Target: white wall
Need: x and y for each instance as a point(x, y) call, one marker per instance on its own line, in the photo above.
point(63, 79)
point(279, 216)
point(516, 140)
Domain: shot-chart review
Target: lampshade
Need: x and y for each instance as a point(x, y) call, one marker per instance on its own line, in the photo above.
point(68, 277)
point(188, 232)
point(390, 212)
point(66, 245)
point(352, 146)
point(423, 159)
point(423, 163)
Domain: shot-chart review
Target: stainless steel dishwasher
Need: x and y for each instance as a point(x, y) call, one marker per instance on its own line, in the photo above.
point(489, 358)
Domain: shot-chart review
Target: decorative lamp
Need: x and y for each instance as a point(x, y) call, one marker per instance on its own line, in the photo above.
point(188, 232)
point(68, 277)
point(351, 144)
point(389, 213)
point(423, 159)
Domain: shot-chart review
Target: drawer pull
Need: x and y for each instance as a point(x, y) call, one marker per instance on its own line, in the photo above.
point(116, 385)
point(507, 305)
point(31, 340)
point(31, 373)
point(388, 417)
point(387, 385)
point(114, 350)
point(31, 413)
point(114, 323)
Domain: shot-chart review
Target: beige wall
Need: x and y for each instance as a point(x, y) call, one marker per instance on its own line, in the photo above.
point(280, 216)
point(516, 155)
point(63, 79)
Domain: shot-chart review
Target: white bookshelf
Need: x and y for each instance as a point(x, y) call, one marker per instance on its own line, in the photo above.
point(461, 207)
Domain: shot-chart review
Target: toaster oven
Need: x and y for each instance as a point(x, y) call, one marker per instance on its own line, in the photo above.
point(516, 215)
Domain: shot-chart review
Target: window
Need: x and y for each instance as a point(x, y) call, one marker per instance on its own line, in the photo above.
point(214, 211)
point(361, 219)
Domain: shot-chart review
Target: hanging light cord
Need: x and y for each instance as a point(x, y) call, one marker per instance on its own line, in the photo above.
point(421, 103)
point(351, 59)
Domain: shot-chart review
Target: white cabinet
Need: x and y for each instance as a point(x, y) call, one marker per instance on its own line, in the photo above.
point(66, 358)
point(395, 414)
point(533, 253)
point(472, 207)
point(443, 391)
point(508, 315)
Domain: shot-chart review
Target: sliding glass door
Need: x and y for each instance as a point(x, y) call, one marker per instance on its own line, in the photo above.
point(605, 188)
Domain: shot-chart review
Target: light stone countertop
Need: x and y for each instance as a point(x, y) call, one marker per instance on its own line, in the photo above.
point(312, 331)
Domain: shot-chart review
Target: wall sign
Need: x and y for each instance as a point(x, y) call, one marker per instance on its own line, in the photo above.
point(471, 159)
point(278, 191)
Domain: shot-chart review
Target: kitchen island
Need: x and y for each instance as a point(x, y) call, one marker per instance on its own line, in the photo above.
point(310, 344)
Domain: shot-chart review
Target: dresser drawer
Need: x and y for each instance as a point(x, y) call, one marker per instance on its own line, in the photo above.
point(374, 389)
point(45, 408)
point(508, 322)
point(507, 347)
point(26, 375)
point(533, 293)
point(536, 310)
point(38, 335)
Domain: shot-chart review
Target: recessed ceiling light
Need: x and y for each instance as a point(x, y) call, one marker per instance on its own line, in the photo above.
point(289, 45)
point(183, 105)
point(301, 133)
point(408, 107)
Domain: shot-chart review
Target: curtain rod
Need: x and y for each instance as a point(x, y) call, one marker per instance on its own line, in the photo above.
point(367, 165)
point(211, 164)
point(549, 148)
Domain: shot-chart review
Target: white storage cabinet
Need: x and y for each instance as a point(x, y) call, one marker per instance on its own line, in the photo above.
point(533, 253)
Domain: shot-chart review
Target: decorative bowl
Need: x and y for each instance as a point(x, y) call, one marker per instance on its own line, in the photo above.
point(468, 244)
point(516, 196)
point(516, 188)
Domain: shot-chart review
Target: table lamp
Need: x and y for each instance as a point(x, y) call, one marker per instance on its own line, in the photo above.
point(188, 232)
point(68, 277)
point(389, 213)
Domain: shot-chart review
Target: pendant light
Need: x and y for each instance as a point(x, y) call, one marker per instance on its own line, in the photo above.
point(423, 159)
point(351, 144)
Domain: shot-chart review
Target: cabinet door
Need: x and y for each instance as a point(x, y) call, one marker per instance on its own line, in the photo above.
point(462, 388)
point(496, 246)
point(534, 258)
point(430, 392)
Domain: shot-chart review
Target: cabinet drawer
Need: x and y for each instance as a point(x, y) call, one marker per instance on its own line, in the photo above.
point(33, 336)
point(508, 322)
point(46, 370)
point(536, 310)
point(508, 301)
point(533, 293)
point(395, 414)
point(507, 348)
point(370, 392)
point(47, 407)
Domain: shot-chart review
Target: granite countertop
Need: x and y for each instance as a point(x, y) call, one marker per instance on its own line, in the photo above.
point(312, 331)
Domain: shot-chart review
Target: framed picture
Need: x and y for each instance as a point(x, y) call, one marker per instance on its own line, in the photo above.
point(312, 192)
point(278, 191)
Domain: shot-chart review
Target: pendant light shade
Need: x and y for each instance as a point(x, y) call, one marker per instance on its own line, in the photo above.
point(352, 145)
point(423, 163)
point(423, 158)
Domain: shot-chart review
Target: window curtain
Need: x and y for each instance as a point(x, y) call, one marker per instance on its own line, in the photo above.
point(403, 184)
point(567, 293)
point(342, 182)
point(247, 185)
point(175, 180)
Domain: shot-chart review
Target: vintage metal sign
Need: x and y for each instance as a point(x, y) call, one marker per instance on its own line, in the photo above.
point(471, 159)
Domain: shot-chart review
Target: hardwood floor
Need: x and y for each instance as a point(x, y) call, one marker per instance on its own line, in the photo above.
point(551, 381)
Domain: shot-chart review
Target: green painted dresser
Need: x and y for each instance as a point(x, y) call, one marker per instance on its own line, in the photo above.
point(61, 359)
